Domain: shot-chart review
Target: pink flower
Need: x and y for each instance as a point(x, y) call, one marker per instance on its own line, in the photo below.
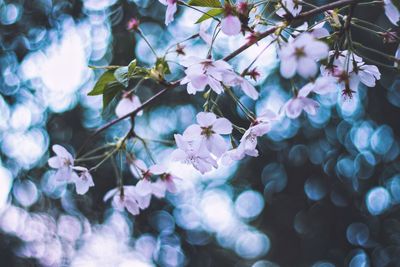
point(63, 162)
point(128, 104)
point(231, 25)
point(83, 181)
point(209, 130)
point(171, 10)
point(300, 102)
point(232, 79)
point(248, 142)
point(166, 182)
point(194, 153)
point(301, 55)
point(203, 72)
point(322, 85)
point(128, 198)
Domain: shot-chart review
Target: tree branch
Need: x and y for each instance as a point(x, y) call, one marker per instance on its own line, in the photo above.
point(301, 17)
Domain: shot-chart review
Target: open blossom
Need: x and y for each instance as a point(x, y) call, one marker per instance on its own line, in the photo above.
point(291, 6)
point(203, 72)
point(300, 102)
point(128, 198)
point(194, 153)
point(391, 11)
point(233, 79)
point(127, 104)
point(209, 130)
point(83, 181)
point(349, 70)
point(166, 182)
point(63, 162)
point(231, 25)
point(322, 85)
point(248, 142)
point(66, 171)
point(171, 10)
point(301, 55)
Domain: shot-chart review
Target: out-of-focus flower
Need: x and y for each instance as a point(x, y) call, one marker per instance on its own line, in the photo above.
point(203, 31)
point(133, 24)
point(289, 6)
point(231, 25)
point(322, 85)
point(209, 130)
point(193, 152)
point(128, 104)
point(301, 55)
point(171, 10)
point(300, 102)
point(391, 11)
point(203, 72)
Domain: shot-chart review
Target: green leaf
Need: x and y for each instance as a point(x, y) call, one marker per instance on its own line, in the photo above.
point(101, 84)
point(121, 75)
point(205, 3)
point(162, 66)
point(209, 14)
point(110, 92)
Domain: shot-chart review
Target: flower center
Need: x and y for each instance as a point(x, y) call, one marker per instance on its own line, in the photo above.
point(207, 131)
point(299, 52)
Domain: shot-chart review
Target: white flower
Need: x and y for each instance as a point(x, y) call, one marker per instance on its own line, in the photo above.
point(232, 79)
point(193, 152)
point(291, 6)
point(128, 198)
point(128, 104)
point(63, 162)
point(171, 10)
point(83, 181)
point(203, 72)
point(166, 182)
point(322, 85)
point(301, 55)
point(300, 102)
point(391, 12)
point(248, 142)
point(231, 25)
point(209, 130)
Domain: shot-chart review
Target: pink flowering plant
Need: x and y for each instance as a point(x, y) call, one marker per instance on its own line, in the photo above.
point(315, 55)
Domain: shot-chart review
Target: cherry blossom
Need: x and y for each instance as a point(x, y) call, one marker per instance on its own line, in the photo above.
point(63, 162)
point(209, 130)
point(83, 181)
point(391, 11)
point(349, 70)
point(128, 198)
point(166, 182)
point(232, 79)
point(300, 102)
point(128, 104)
point(171, 10)
point(203, 72)
point(290, 6)
point(322, 85)
point(193, 152)
point(301, 55)
point(231, 25)
point(248, 142)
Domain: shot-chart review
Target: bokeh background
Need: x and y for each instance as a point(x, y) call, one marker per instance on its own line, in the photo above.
point(323, 193)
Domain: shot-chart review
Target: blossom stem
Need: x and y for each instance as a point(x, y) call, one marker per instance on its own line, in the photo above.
point(198, 10)
point(147, 42)
point(376, 51)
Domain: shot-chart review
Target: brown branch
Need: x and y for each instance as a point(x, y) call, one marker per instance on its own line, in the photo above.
point(301, 17)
